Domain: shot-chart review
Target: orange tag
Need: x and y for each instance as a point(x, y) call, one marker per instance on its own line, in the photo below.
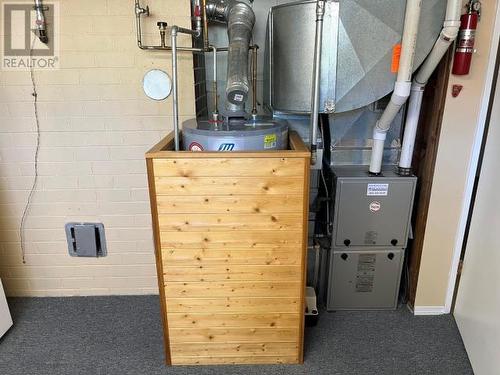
point(396, 55)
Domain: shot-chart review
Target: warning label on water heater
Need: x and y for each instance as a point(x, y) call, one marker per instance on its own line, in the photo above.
point(377, 190)
point(270, 141)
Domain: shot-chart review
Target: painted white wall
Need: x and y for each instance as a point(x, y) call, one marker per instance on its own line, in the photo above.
point(5, 318)
point(96, 124)
point(460, 140)
point(477, 310)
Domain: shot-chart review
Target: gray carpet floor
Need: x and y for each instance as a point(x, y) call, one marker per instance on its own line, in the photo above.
point(122, 335)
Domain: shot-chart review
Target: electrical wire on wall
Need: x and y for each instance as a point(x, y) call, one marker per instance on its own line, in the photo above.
point(37, 149)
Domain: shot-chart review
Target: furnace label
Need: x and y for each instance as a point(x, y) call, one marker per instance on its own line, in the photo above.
point(377, 190)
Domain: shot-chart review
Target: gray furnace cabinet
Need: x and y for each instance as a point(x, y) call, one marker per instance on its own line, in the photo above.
point(371, 224)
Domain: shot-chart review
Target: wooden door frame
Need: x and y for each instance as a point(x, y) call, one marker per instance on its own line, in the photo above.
point(424, 162)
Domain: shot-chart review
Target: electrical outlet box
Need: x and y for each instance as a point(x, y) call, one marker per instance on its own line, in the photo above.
point(86, 239)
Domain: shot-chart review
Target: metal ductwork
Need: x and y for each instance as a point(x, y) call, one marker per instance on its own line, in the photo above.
point(240, 20)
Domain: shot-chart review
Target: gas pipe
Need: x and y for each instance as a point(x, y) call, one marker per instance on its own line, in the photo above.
point(466, 37)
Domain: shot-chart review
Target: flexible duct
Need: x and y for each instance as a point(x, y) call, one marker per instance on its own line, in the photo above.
point(448, 35)
point(402, 86)
point(240, 20)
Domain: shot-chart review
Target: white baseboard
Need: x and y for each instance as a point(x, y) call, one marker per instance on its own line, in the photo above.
point(429, 310)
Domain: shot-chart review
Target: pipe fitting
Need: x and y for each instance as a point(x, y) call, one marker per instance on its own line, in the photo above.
point(446, 37)
point(450, 32)
point(41, 30)
point(402, 88)
point(379, 135)
point(320, 10)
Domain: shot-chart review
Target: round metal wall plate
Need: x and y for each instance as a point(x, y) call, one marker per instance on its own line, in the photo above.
point(157, 84)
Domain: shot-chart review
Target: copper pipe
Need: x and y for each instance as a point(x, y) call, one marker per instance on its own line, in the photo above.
point(206, 43)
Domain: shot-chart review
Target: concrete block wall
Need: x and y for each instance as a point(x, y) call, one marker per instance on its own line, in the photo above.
point(96, 124)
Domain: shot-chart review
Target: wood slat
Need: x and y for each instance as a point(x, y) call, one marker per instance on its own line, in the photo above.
point(229, 185)
point(259, 360)
point(230, 204)
point(288, 349)
point(264, 320)
point(229, 167)
point(232, 273)
point(195, 257)
point(229, 222)
point(220, 240)
point(233, 305)
point(232, 289)
point(233, 335)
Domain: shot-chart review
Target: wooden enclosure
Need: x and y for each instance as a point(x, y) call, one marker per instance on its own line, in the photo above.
point(230, 234)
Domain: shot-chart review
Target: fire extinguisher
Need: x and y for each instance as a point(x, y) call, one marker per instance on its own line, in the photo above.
point(466, 37)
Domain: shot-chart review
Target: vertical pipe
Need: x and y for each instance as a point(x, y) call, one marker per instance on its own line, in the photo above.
point(448, 35)
point(175, 88)
point(255, 49)
point(320, 13)
point(206, 42)
point(402, 86)
point(417, 93)
point(215, 115)
point(198, 17)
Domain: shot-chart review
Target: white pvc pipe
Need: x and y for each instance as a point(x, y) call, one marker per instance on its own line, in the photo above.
point(414, 105)
point(403, 83)
point(446, 38)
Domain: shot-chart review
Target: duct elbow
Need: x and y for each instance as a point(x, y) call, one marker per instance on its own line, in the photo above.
point(240, 20)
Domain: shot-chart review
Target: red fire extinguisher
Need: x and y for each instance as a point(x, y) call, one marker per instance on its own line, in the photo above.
point(466, 37)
